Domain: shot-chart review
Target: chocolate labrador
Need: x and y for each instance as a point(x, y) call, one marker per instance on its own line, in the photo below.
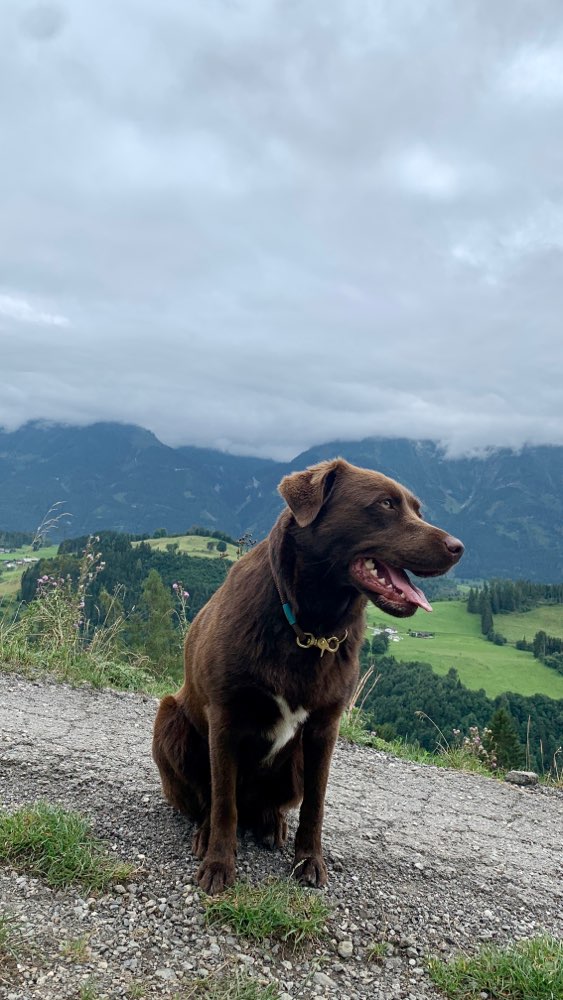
point(271, 662)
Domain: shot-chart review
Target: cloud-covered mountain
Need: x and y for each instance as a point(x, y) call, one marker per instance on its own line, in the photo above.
point(506, 506)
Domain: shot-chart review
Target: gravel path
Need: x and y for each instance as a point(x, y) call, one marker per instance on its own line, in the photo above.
point(428, 860)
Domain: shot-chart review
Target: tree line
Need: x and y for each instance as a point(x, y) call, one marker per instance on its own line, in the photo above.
point(504, 596)
point(15, 539)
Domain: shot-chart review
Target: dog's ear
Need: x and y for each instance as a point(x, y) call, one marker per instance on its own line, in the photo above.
point(306, 492)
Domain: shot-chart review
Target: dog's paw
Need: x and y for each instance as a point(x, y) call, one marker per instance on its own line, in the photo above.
point(200, 840)
point(310, 870)
point(214, 877)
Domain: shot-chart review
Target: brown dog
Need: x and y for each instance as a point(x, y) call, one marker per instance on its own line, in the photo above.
point(251, 732)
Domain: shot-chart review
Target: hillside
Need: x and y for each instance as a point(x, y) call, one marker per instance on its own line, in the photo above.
point(506, 507)
point(422, 860)
point(457, 642)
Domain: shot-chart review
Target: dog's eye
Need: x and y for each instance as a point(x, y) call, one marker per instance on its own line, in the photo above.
point(388, 504)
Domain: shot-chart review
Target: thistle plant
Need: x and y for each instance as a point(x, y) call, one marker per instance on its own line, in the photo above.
point(181, 597)
point(57, 618)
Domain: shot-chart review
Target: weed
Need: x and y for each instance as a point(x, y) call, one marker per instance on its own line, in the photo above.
point(181, 597)
point(49, 841)
point(528, 970)
point(236, 986)
point(353, 724)
point(51, 520)
point(276, 909)
point(137, 991)
point(9, 950)
point(88, 990)
point(354, 728)
point(377, 952)
point(76, 950)
point(467, 753)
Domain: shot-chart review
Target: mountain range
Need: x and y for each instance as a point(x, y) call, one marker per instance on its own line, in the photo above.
point(506, 506)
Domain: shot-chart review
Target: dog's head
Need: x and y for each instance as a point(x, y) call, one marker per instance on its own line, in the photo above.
point(368, 529)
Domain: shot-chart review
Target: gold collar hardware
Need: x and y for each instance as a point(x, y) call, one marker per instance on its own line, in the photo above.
point(307, 639)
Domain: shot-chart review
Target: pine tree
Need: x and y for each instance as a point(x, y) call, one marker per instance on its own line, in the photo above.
point(155, 631)
point(503, 740)
point(487, 624)
point(540, 640)
point(472, 601)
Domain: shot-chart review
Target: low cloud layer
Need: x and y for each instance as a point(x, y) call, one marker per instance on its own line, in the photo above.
point(260, 225)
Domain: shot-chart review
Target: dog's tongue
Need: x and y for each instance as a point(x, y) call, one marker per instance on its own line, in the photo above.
point(400, 580)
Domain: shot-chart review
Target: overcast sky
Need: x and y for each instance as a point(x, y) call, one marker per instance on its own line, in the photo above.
point(260, 225)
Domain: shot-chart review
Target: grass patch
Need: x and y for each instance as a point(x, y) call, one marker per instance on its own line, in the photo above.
point(76, 949)
point(88, 991)
point(377, 952)
point(57, 845)
point(277, 909)
point(85, 670)
point(528, 970)
point(238, 986)
point(354, 728)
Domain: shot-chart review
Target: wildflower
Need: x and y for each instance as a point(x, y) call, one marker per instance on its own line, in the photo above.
point(186, 595)
point(174, 586)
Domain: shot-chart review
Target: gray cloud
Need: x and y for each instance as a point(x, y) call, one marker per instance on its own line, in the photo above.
point(259, 225)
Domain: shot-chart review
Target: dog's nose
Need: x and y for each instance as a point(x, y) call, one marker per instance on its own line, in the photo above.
point(454, 546)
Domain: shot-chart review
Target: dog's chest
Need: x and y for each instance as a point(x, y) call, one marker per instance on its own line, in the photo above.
point(284, 728)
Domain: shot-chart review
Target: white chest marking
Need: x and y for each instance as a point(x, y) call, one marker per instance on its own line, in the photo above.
point(285, 728)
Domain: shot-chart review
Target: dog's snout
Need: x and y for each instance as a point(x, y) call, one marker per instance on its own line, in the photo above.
point(454, 546)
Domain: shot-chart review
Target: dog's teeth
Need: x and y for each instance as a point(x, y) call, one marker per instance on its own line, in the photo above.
point(369, 564)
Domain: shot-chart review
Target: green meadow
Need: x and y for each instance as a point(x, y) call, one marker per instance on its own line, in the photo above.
point(458, 643)
point(10, 578)
point(192, 545)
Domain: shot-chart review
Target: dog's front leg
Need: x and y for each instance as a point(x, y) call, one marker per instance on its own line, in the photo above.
point(217, 870)
point(319, 737)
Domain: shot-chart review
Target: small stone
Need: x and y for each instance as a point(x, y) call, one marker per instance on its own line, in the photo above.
point(345, 949)
point(521, 777)
point(166, 974)
point(321, 979)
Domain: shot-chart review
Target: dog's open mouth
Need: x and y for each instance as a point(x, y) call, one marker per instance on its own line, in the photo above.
point(389, 582)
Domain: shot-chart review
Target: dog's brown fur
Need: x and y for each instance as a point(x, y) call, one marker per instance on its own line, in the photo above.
point(211, 738)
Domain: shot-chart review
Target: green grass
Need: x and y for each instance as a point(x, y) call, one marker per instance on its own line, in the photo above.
point(238, 986)
point(377, 952)
point(518, 625)
point(529, 970)
point(192, 545)
point(48, 841)
point(88, 991)
point(9, 934)
point(277, 908)
point(354, 729)
point(480, 664)
point(76, 949)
